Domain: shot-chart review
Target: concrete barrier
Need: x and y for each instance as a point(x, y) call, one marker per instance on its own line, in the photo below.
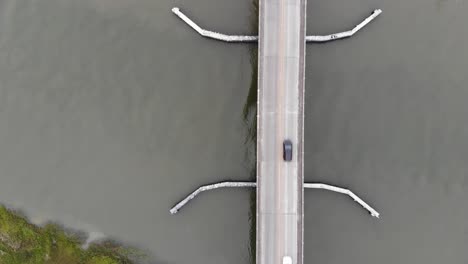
point(332, 188)
point(246, 38)
point(204, 188)
point(322, 186)
point(345, 34)
point(212, 34)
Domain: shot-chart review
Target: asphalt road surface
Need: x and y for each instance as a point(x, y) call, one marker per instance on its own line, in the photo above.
point(280, 117)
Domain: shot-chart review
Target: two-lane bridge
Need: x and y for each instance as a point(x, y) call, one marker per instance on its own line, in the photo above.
point(280, 116)
point(280, 184)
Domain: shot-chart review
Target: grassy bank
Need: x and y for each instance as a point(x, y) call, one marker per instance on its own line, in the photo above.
point(22, 242)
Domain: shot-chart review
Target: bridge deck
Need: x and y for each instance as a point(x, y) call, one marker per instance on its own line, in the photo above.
point(280, 116)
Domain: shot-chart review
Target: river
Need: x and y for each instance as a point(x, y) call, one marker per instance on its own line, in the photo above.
point(386, 116)
point(113, 110)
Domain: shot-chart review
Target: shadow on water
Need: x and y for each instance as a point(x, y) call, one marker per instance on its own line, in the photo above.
point(249, 115)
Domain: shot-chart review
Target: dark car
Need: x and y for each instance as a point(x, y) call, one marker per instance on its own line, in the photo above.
point(287, 150)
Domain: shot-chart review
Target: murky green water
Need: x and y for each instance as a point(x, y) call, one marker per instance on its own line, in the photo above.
point(386, 115)
point(113, 110)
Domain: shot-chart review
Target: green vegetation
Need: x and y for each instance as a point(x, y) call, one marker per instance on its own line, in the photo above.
point(249, 112)
point(249, 115)
point(22, 243)
point(253, 222)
